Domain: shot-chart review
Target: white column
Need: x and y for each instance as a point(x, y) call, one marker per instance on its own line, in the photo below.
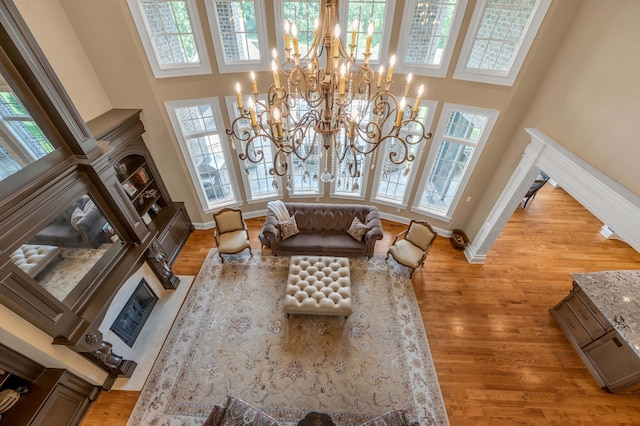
point(516, 188)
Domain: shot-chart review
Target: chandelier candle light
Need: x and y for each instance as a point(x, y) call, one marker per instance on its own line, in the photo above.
point(328, 103)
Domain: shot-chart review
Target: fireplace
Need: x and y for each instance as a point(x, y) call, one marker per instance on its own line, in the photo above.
point(135, 313)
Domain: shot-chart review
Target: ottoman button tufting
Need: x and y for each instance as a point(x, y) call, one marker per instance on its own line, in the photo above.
point(318, 286)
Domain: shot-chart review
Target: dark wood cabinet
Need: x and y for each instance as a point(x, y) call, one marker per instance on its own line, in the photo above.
point(176, 232)
point(615, 362)
point(609, 358)
point(54, 396)
point(142, 190)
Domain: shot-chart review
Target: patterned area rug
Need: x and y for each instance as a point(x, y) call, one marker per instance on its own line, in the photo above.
point(232, 338)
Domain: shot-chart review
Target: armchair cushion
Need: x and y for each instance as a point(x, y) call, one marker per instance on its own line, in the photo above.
point(420, 235)
point(234, 241)
point(357, 229)
point(406, 253)
point(229, 220)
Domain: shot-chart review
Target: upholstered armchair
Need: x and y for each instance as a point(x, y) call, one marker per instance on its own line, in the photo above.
point(411, 250)
point(231, 232)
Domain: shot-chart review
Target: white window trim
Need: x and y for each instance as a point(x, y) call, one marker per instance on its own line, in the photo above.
point(193, 173)
point(345, 32)
point(429, 70)
point(249, 65)
point(204, 67)
point(344, 196)
point(230, 102)
point(492, 117)
point(428, 122)
point(498, 77)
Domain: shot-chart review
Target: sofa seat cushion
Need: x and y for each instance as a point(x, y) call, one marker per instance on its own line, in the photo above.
point(304, 242)
point(343, 241)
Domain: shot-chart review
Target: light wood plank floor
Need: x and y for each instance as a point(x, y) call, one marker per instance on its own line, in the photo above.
point(500, 357)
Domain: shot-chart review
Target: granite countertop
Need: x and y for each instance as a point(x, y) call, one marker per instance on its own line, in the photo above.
point(617, 295)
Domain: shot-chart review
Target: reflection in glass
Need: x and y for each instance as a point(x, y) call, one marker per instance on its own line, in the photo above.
point(61, 254)
point(21, 140)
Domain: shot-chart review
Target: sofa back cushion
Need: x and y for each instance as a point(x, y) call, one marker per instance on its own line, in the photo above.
point(327, 217)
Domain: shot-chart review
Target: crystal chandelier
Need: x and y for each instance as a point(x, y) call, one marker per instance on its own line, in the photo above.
point(328, 101)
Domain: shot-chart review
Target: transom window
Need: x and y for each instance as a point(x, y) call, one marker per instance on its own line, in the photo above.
point(364, 12)
point(458, 142)
point(195, 123)
point(171, 35)
point(428, 35)
point(238, 29)
point(499, 38)
point(303, 13)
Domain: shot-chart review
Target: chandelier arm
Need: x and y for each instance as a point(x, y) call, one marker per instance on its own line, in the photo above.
point(406, 156)
point(279, 168)
point(362, 79)
point(250, 153)
point(298, 142)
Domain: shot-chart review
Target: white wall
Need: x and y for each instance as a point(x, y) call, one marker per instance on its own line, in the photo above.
point(49, 24)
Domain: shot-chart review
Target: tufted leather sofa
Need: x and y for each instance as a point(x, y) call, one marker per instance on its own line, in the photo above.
point(87, 232)
point(323, 230)
point(234, 411)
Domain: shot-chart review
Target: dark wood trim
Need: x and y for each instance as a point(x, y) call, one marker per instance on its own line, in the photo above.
point(19, 365)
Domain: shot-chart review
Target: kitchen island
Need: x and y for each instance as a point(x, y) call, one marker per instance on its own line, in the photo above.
point(601, 318)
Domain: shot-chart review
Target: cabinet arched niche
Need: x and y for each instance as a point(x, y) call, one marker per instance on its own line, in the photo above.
point(141, 186)
point(152, 217)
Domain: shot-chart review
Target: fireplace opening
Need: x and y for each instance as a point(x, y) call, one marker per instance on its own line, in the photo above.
point(134, 314)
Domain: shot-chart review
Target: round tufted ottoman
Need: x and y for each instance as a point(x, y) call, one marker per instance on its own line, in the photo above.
point(318, 286)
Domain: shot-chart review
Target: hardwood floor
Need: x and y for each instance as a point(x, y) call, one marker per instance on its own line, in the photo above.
point(500, 357)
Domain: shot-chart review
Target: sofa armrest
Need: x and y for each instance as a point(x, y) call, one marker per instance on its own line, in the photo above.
point(90, 227)
point(374, 233)
point(271, 231)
